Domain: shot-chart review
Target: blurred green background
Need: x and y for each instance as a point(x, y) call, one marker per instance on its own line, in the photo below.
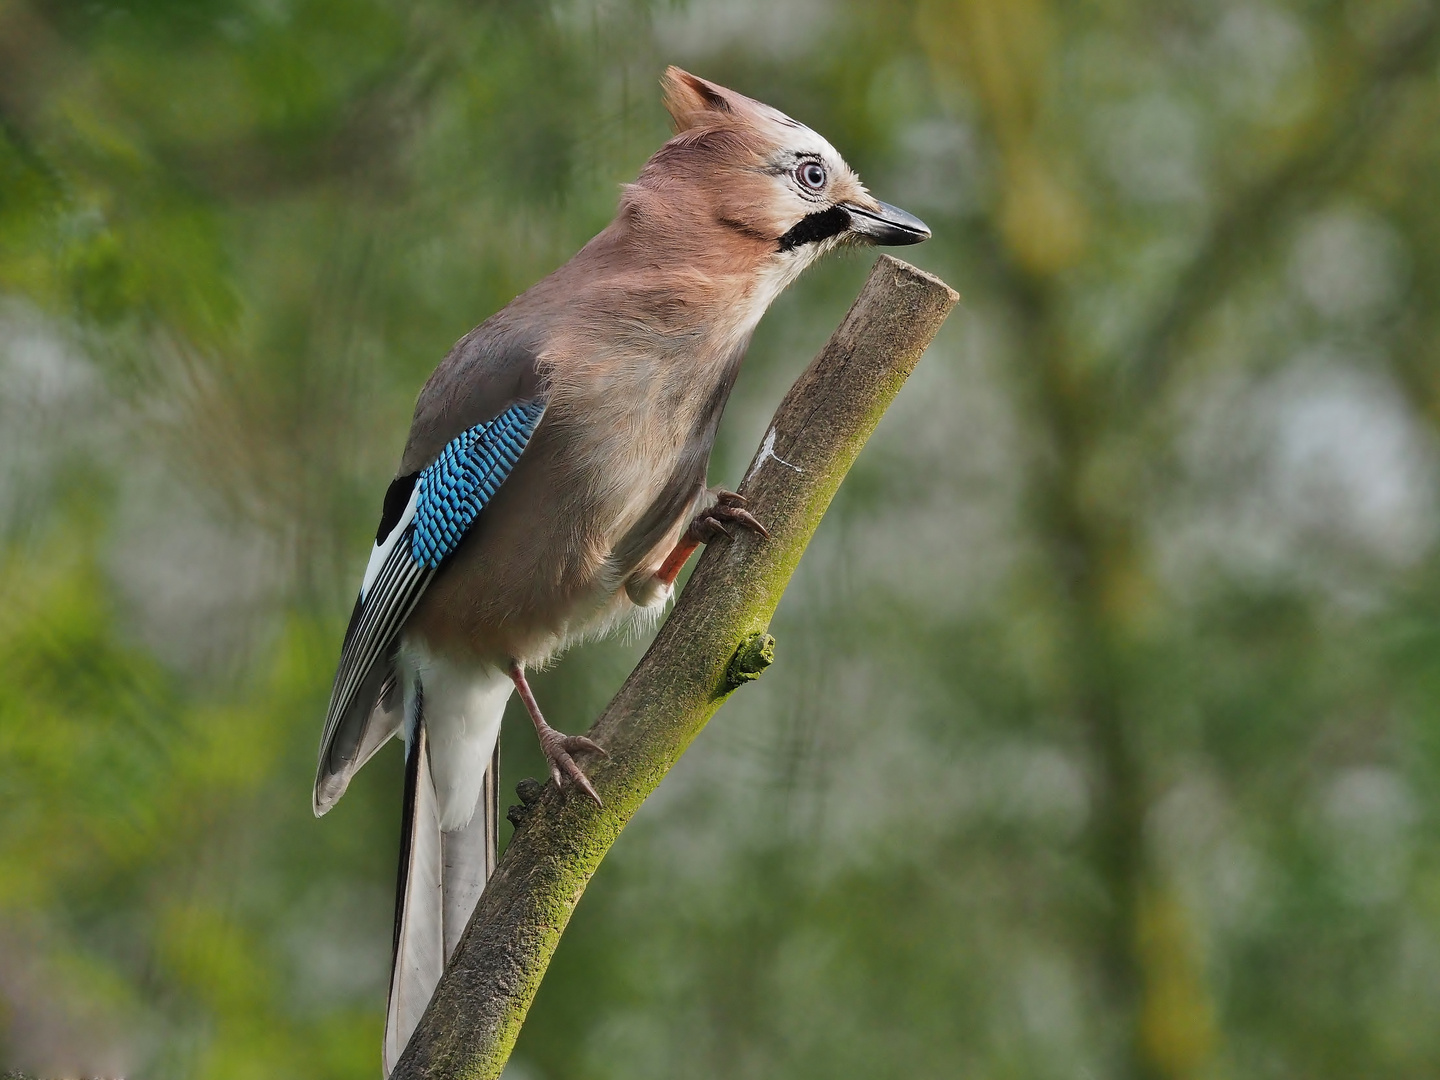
point(1104, 739)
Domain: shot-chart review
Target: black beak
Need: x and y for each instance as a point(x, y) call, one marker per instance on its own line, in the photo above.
point(889, 226)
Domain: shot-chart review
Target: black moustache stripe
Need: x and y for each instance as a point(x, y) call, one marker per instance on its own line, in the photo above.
point(820, 225)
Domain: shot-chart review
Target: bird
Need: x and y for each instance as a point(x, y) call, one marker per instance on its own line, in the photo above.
point(554, 483)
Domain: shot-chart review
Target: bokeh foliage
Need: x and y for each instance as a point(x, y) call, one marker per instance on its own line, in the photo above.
point(1105, 734)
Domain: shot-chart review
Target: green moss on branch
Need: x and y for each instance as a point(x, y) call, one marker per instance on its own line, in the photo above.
point(752, 657)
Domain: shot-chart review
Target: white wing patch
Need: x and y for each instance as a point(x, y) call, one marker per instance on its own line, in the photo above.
point(383, 548)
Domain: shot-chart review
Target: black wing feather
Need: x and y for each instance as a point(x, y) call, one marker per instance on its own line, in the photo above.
point(362, 679)
point(447, 496)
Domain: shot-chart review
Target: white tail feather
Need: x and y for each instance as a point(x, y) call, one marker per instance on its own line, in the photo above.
point(419, 925)
point(452, 769)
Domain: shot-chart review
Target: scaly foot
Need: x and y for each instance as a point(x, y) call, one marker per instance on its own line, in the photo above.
point(729, 509)
point(558, 746)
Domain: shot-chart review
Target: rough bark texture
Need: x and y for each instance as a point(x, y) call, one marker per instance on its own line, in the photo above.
point(713, 642)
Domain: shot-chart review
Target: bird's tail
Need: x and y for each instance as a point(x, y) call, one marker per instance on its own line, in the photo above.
point(441, 876)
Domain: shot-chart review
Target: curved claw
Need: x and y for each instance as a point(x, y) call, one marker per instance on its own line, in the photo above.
point(744, 517)
point(563, 769)
point(707, 527)
point(729, 509)
point(575, 744)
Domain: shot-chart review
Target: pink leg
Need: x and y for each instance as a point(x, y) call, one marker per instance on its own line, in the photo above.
point(557, 747)
point(676, 560)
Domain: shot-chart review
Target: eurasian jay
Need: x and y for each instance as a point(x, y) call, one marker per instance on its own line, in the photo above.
point(554, 483)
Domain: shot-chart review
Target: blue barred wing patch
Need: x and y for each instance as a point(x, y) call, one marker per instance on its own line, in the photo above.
point(457, 485)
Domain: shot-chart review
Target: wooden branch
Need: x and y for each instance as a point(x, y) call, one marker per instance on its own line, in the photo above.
point(713, 642)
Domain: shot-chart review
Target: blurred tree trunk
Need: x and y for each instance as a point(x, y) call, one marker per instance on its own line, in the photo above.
point(1088, 416)
point(713, 642)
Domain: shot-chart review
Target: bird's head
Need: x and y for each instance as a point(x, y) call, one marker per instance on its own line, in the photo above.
point(779, 191)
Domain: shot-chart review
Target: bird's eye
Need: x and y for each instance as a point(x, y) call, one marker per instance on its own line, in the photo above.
point(811, 174)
